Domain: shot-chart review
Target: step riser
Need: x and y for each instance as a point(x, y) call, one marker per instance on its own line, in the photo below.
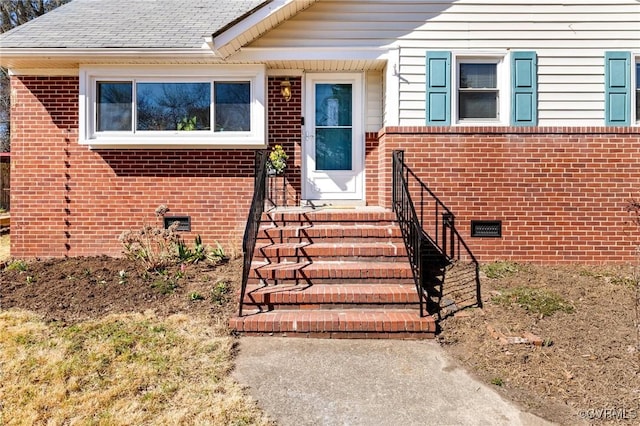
point(290, 235)
point(329, 306)
point(368, 275)
point(327, 281)
point(345, 335)
point(327, 321)
point(388, 253)
point(362, 260)
point(327, 297)
point(316, 218)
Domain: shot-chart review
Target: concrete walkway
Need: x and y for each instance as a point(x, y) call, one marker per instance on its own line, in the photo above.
point(301, 381)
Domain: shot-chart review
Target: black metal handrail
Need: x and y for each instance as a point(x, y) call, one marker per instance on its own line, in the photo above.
point(409, 222)
point(253, 221)
point(419, 232)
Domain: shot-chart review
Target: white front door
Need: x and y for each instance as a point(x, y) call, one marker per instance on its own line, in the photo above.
point(333, 142)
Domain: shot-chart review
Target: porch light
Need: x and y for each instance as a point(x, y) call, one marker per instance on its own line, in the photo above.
point(285, 90)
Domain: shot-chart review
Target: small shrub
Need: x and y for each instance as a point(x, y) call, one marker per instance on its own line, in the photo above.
point(184, 252)
point(154, 246)
point(194, 295)
point(200, 252)
point(17, 265)
point(538, 301)
point(220, 292)
point(499, 269)
point(497, 381)
point(217, 253)
point(165, 285)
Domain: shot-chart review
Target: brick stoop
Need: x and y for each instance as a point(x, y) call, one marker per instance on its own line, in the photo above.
point(331, 274)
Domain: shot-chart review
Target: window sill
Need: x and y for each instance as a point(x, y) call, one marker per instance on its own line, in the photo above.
point(169, 142)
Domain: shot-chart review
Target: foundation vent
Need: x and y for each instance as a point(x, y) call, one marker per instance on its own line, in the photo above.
point(486, 228)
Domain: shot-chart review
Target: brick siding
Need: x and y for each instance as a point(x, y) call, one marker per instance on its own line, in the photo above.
point(559, 192)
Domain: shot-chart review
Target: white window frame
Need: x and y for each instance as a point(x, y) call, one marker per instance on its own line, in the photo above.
point(255, 138)
point(501, 59)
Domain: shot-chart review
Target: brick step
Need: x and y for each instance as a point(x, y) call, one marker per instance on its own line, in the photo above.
point(345, 233)
point(332, 296)
point(322, 272)
point(369, 324)
point(344, 217)
point(335, 250)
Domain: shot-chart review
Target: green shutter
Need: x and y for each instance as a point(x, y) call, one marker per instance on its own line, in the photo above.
point(524, 89)
point(439, 88)
point(617, 88)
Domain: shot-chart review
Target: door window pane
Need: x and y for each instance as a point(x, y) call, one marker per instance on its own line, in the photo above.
point(173, 106)
point(333, 126)
point(333, 105)
point(232, 106)
point(114, 107)
point(333, 149)
point(477, 91)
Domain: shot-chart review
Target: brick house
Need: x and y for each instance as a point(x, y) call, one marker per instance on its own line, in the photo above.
point(520, 117)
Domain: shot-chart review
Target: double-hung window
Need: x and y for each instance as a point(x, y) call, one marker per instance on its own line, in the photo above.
point(146, 108)
point(492, 88)
point(478, 91)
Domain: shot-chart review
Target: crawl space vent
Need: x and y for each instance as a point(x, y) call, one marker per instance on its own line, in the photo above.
point(486, 228)
point(184, 222)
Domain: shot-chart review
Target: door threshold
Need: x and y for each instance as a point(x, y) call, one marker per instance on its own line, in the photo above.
point(337, 204)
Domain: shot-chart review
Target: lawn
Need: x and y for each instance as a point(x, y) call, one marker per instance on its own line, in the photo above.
point(104, 341)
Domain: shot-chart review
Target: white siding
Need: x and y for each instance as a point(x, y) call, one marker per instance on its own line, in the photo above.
point(373, 93)
point(569, 36)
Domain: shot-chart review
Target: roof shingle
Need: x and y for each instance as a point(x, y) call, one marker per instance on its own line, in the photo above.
point(139, 24)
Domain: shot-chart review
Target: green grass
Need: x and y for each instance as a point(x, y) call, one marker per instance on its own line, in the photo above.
point(500, 269)
point(121, 369)
point(537, 301)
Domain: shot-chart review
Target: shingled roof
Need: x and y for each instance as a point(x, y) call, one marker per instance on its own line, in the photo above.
point(138, 24)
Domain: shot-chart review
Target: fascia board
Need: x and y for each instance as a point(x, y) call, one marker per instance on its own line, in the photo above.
point(220, 40)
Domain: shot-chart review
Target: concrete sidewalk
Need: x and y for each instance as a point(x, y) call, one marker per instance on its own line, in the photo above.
point(367, 382)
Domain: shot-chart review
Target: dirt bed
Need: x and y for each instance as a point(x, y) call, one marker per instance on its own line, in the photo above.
point(78, 289)
point(589, 359)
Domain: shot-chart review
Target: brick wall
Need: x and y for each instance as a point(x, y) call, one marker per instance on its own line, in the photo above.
point(560, 192)
point(70, 201)
point(371, 164)
point(285, 128)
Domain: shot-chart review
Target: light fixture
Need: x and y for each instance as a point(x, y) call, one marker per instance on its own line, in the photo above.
point(285, 90)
